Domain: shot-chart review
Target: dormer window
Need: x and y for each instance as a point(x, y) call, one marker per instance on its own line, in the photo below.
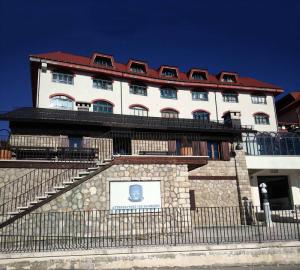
point(138, 68)
point(104, 61)
point(199, 75)
point(228, 77)
point(168, 72)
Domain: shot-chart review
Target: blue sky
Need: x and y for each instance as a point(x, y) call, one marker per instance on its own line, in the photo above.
point(255, 38)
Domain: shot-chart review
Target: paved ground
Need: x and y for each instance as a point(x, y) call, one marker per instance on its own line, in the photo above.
point(270, 267)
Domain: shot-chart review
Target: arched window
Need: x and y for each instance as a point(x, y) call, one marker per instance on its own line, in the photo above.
point(261, 119)
point(62, 102)
point(169, 113)
point(102, 106)
point(201, 115)
point(138, 110)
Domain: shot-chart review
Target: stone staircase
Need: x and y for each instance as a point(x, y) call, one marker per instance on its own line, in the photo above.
point(53, 192)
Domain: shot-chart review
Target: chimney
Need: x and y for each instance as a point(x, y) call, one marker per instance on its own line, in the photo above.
point(232, 119)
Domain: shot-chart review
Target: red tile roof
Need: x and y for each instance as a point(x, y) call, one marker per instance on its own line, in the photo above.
point(84, 63)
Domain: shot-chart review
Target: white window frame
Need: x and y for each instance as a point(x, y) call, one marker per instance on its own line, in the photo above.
point(57, 102)
point(259, 99)
point(198, 95)
point(136, 89)
point(59, 77)
point(230, 97)
point(103, 84)
point(138, 111)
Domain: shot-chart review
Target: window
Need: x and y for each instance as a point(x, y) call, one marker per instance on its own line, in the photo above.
point(169, 72)
point(75, 142)
point(62, 102)
point(168, 93)
point(213, 150)
point(102, 106)
point(198, 95)
point(230, 97)
point(62, 78)
point(199, 76)
point(103, 61)
point(102, 84)
point(259, 99)
point(228, 78)
point(138, 89)
point(201, 115)
point(139, 111)
point(137, 68)
point(261, 119)
point(169, 113)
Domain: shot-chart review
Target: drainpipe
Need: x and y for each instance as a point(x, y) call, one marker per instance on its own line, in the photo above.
point(216, 106)
point(121, 89)
point(275, 112)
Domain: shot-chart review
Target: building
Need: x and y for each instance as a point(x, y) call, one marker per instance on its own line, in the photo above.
point(288, 112)
point(194, 139)
point(100, 84)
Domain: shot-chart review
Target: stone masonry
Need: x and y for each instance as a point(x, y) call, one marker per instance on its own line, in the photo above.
point(218, 192)
point(94, 193)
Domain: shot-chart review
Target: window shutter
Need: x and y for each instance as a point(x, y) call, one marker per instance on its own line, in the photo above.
point(196, 148)
point(172, 147)
point(192, 199)
point(64, 141)
point(203, 148)
point(225, 151)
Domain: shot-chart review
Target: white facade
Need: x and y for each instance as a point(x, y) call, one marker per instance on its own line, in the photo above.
point(293, 177)
point(83, 91)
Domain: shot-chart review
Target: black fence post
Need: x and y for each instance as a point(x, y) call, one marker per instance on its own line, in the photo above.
point(297, 222)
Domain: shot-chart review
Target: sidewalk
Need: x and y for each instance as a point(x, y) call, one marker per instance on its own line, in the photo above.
point(163, 257)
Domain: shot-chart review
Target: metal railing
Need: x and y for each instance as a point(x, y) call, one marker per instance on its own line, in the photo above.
point(49, 231)
point(119, 120)
point(105, 146)
point(272, 144)
point(23, 147)
point(25, 189)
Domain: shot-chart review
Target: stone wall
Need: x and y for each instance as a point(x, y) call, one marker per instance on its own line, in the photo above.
point(221, 183)
point(94, 193)
point(215, 193)
point(9, 174)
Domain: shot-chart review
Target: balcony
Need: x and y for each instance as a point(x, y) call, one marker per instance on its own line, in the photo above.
point(272, 144)
point(272, 151)
point(129, 146)
point(107, 120)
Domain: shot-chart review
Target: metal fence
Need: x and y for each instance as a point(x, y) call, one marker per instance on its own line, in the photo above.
point(272, 144)
point(49, 231)
point(35, 147)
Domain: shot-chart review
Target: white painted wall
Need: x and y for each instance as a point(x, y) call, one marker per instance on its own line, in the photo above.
point(294, 184)
point(273, 162)
point(83, 90)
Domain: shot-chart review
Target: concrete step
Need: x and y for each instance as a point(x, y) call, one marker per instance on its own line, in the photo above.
point(22, 208)
point(40, 198)
point(34, 202)
point(92, 169)
point(83, 173)
point(77, 178)
point(13, 213)
point(51, 192)
point(59, 187)
point(68, 183)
